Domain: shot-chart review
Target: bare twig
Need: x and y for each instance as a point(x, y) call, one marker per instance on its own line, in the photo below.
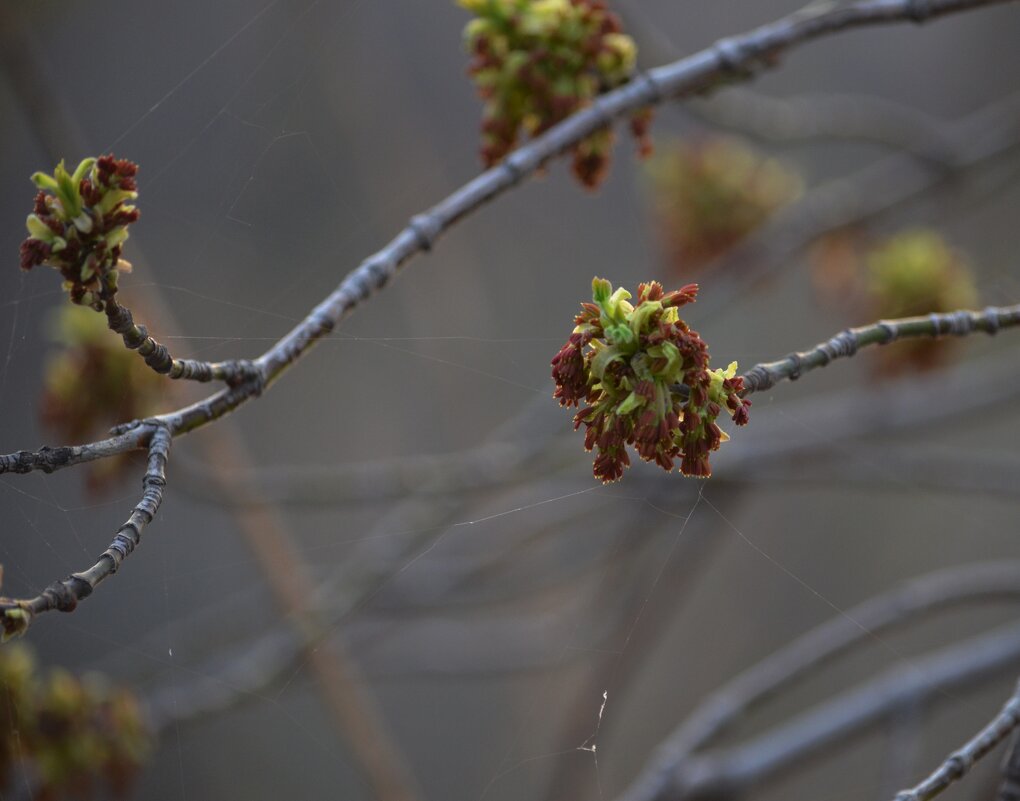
point(959, 763)
point(948, 470)
point(847, 343)
point(781, 749)
point(988, 133)
point(65, 594)
point(930, 593)
point(524, 453)
point(158, 357)
point(352, 706)
point(339, 678)
point(830, 116)
point(1009, 790)
point(800, 118)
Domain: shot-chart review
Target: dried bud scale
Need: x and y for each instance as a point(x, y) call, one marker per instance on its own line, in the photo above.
point(626, 362)
point(536, 62)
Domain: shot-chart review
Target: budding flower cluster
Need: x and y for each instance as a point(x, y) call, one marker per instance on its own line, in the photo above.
point(645, 379)
point(535, 62)
point(79, 224)
point(710, 195)
point(72, 735)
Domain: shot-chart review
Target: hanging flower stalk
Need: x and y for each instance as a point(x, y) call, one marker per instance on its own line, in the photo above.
point(536, 62)
point(645, 379)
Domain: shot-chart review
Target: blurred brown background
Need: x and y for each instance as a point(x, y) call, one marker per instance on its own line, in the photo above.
point(279, 144)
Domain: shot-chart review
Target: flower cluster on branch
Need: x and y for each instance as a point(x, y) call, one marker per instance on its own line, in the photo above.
point(72, 735)
point(645, 379)
point(536, 62)
point(79, 223)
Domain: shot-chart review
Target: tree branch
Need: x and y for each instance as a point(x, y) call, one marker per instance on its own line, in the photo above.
point(959, 763)
point(783, 748)
point(988, 133)
point(65, 594)
point(831, 116)
point(1009, 790)
point(158, 357)
point(847, 343)
point(737, 57)
point(920, 597)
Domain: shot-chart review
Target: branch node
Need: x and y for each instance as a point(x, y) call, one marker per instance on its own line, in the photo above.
point(656, 95)
point(991, 314)
point(515, 171)
point(959, 764)
point(426, 228)
point(757, 379)
point(731, 54)
point(797, 360)
point(323, 322)
point(378, 273)
point(245, 371)
point(64, 598)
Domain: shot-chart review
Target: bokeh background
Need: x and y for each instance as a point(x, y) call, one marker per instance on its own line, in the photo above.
point(405, 527)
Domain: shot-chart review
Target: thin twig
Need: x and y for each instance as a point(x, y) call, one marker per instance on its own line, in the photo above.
point(958, 764)
point(859, 197)
point(158, 357)
point(352, 706)
point(848, 342)
point(737, 57)
point(919, 466)
point(920, 597)
point(1009, 790)
point(806, 117)
point(65, 594)
point(830, 116)
point(781, 749)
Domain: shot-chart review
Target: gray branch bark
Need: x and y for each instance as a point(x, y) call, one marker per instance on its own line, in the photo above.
point(959, 763)
point(737, 57)
point(64, 595)
point(725, 774)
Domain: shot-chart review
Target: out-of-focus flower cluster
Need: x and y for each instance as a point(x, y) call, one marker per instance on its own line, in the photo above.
point(709, 195)
point(79, 224)
point(535, 62)
point(917, 272)
point(93, 382)
point(629, 363)
point(65, 736)
point(911, 273)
